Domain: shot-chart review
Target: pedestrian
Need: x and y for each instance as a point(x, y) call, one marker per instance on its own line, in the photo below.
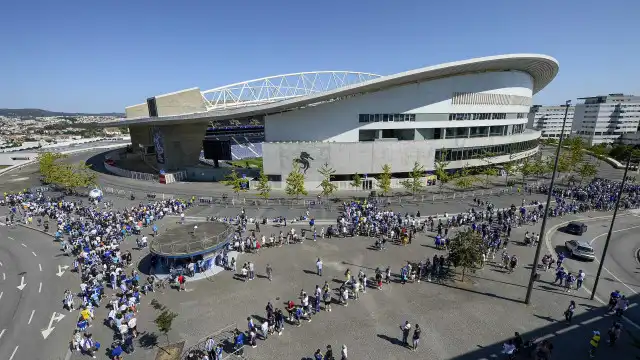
point(269, 271)
point(319, 267)
point(328, 355)
point(405, 333)
point(593, 343)
point(568, 314)
point(416, 337)
point(614, 333)
point(343, 353)
point(317, 355)
point(580, 279)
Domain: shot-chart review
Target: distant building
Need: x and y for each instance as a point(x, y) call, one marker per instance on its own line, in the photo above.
point(606, 119)
point(548, 120)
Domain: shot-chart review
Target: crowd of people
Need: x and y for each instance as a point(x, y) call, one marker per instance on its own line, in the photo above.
point(93, 235)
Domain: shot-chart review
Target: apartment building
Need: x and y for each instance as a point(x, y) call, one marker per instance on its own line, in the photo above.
point(548, 120)
point(606, 119)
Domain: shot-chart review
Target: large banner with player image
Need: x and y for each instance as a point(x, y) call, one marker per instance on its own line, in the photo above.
point(158, 142)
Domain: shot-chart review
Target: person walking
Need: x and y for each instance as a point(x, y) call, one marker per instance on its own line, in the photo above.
point(319, 267)
point(343, 353)
point(269, 271)
point(593, 343)
point(580, 279)
point(416, 337)
point(568, 314)
point(406, 328)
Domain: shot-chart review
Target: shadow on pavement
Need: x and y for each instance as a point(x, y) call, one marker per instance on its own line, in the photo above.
point(571, 341)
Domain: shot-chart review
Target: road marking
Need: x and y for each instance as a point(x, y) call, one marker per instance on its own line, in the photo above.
point(54, 317)
point(2, 333)
point(40, 288)
point(1, 264)
point(551, 251)
point(31, 317)
point(4, 276)
point(34, 254)
point(40, 267)
point(22, 284)
point(13, 353)
point(23, 245)
point(10, 238)
point(607, 270)
point(1, 293)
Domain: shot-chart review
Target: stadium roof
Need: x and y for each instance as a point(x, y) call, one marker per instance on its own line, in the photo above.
point(542, 69)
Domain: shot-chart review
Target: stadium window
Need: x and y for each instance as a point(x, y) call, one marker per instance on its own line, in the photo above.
point(363, 118)
point(412, 117)
point(377, 117)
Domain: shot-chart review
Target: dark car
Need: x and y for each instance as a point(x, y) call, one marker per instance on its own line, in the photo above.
point(576, 228)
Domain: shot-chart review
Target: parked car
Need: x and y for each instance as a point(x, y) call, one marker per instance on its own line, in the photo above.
point(580, 249)
point(576, 228)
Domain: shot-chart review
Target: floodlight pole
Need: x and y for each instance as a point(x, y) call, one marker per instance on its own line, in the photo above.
point(613, 220)
point(536, 258)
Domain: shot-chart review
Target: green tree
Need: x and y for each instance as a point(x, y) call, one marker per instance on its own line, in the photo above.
point(539, 167)
point(599, 152)
point(236, 182)
point(384, 179)
point(48, 163)
point(489, 170)
point(164, 319)
point(440, 169)
point(509, 169)
point(264, 189)
point(526, 169)
point(463, 179)
point(466, 249)
point(587, 170)
point(327, 186)
point(415, 183)
point(356, 181)
point(295, 182)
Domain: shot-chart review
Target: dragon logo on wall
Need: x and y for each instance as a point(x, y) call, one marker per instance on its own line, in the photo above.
point(303, 160)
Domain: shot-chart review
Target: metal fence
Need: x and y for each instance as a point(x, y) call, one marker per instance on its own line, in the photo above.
point(204, 242)
point(224, 336)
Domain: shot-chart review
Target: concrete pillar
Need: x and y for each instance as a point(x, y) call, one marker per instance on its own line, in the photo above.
point(140, 135)
point(182, 144)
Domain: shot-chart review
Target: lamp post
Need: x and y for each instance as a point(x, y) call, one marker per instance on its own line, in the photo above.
point(536, 258)
point(613, 220)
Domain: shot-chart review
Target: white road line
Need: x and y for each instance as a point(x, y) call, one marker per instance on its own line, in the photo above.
point(1, 264)
point(23, 245)
point(1, 293)
point(2, 333)
point(31, 317)
point(10, 238)
point(40, 267)
point(552, 251)
point(13, 353)
point(4, 276)
point(40, 288)
point(34, 254)
point(607, 270)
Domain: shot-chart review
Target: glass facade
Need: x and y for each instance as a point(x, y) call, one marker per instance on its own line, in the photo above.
point(477, 152)
point(367, 118)
point(478, 116)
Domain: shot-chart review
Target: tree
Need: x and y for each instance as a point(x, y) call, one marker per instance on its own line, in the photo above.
point(356, 181)
point(539, 167)
point(587, 170)
point(236, 182)
point(165, 318)
point(526, 169)
point(48, 163)
point(264, 189)
point(384, 179)
point(466, 249)
point(509, 169)
point(415, 183)
point(327, 186)
point(295, 182)
point(488, 172)
point(440, 168)
point(599, 152)
point(463, 179)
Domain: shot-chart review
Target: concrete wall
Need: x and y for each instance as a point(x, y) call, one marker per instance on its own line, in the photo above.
point(140, 135)
point(182, 145)
point(199, 173)
point(369, 157)
point(338, 121)
point(136, 111)
point(181, 102)
point(17, 158)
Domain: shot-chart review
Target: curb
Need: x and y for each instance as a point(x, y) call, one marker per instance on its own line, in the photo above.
point(36, 229)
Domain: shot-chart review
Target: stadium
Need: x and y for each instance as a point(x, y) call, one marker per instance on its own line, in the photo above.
point(355, 122)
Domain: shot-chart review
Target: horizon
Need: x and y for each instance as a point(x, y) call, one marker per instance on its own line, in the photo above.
point(94, 64)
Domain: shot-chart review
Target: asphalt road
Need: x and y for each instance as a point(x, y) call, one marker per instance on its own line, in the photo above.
point(621, 270)
point(31, 296)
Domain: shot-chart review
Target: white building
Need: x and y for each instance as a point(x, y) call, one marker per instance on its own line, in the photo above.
point(548, 120)
point(461, 110)
point(605, 119)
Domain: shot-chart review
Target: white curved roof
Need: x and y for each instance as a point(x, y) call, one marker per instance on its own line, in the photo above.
point(542, 69)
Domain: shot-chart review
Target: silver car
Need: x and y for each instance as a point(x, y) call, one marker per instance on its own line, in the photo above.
point(580, 249)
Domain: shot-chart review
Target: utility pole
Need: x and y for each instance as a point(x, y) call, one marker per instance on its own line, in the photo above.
point(534, 268)
point(613, 220)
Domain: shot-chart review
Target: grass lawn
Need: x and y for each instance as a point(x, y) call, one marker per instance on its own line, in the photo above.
point(247, 163)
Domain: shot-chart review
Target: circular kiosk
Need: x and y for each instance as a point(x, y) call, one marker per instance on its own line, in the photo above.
point(194, 249)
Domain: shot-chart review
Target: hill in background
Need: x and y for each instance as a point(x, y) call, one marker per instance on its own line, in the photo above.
point(45, 113)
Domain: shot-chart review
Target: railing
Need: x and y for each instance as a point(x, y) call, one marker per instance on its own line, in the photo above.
point(224, 336)
point(131, 174)
point(204, 244)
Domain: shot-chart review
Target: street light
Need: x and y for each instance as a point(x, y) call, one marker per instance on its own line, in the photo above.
point(613, 220)
point(536, 258)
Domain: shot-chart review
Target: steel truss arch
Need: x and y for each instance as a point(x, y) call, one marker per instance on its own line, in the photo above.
point(281, 87)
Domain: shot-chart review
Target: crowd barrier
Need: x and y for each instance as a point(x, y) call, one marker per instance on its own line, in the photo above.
point(224, 336)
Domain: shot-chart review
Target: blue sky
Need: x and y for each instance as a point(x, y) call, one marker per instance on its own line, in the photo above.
point(96, 56)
